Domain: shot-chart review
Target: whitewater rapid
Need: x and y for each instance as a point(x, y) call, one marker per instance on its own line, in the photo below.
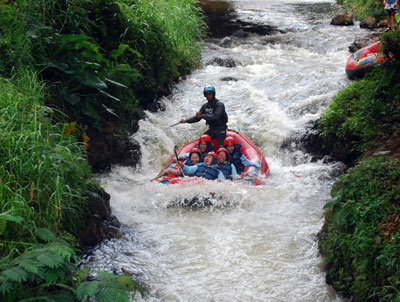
point(256, 243)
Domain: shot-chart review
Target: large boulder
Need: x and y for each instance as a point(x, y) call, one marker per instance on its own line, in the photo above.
point(343, 20)
point(368, 22)
point(100, 224)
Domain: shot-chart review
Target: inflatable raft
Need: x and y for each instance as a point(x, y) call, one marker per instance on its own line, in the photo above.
point(249, 149)
point(363, 59)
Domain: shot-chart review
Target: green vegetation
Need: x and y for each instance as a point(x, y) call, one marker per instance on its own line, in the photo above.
point(66, 66)
point(43, 172)
point(361, 9)
point(103, 59)
point(360, 240)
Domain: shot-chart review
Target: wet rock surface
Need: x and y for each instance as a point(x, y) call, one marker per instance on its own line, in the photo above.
point(360, 42)
point(109, 147)
point(311, 142)
point(100, 223)
point(223, 21)
point(343, 20)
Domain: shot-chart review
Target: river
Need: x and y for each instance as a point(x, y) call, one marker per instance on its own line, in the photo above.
point(255, 243)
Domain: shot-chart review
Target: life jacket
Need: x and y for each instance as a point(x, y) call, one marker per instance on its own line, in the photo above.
point(208, 172)
point(188, 162)
point(226, 169)
point(235, 158)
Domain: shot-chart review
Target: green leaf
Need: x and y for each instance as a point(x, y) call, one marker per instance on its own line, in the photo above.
point(109, 95)
point(50, 260)
point(6, 287)
point(3, 224)
point(16, 219)
point(62, 296)
point(71, 98)
point(17, 274)
point(90, 79)
point(109, 110)
point(111, 293)
point(30, 265)
point(45, 234)
point(116, 83)
point(87, 289)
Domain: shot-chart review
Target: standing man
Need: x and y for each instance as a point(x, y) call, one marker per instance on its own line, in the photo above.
point(213, 112)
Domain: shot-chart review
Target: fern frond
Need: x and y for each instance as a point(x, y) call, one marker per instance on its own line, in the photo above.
point(62, 248)
point(87, 289)
point(30, 265)
point(50, 259)
point(6, 287)
point(112, 292)
point(17, 274)
point(45, 234)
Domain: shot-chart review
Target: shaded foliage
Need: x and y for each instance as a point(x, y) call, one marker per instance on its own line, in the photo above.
point(360, 240)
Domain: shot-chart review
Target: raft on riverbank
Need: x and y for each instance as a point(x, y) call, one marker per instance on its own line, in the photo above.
point(248, 148)
point(364, 59)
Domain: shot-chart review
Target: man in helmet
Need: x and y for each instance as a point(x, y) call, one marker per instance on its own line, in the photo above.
point(213, 112)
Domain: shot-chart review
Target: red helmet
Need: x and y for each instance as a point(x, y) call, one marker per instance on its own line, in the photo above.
point(205, 138)
point(213, 154)
point(229, 141)
point(222, 149)
point(195, 150)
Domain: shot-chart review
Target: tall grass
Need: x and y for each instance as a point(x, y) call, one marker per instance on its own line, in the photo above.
point(43, 172)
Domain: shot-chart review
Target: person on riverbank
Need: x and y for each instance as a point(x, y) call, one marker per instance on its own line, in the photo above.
point(237, 157)
point(225, 165)
point(213, 112)
point(207, 169)
point(391, 8)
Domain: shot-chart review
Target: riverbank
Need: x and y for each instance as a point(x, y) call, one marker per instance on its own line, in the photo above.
point(359, 240)
point(75, 78)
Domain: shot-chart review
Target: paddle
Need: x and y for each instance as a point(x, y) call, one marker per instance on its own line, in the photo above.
point(180, 122)
point(175, 124)
point(177, 160)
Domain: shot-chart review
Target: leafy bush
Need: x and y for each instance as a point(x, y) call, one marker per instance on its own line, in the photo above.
point(360, 240)
point(43, 172)
point(48, 272)
point(103, 59)
point(361, 9)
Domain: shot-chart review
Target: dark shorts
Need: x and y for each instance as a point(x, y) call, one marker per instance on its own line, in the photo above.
point(220, 134)
point(390, 8)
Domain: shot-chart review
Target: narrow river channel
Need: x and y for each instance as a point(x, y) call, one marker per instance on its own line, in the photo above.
point(256, 243)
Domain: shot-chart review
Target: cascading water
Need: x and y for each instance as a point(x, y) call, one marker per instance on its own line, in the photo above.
point(256, 243)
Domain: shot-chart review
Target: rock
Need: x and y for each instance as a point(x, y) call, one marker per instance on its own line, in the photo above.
point(360, 42)
point(382, 23)
point(222, 61)
point(222, 21)
point(368, 22)
point(96, 230)
point(100, 224)
point(343, 20)
point(109, 147)
point(229, 79)
point(98, 205)
point(311, 142)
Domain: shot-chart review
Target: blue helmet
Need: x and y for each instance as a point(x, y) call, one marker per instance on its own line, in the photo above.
point(209, 88)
